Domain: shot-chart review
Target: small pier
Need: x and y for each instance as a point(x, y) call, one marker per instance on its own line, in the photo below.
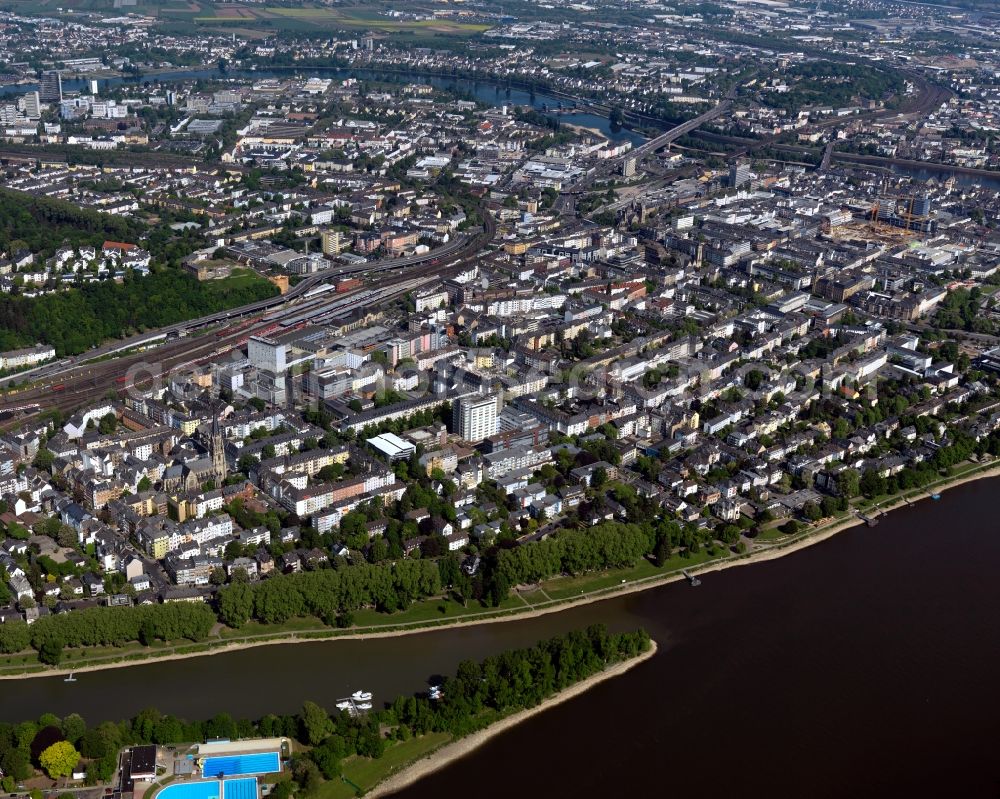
point(870, 520)
point(355, 705)
point(350, 706)
point(692, 580)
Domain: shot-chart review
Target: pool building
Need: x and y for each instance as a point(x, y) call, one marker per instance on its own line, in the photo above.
point(219, 769)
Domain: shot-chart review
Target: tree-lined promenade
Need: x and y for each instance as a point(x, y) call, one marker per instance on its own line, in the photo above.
point(334, 596)
point(597, 563)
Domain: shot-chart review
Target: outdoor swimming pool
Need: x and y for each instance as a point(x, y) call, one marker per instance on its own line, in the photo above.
point(242, 788)
point(235, 765)
point(191, 790)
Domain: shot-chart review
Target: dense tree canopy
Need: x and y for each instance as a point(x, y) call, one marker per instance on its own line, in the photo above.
point(326, 593)
point(75, 320)
point(59, 760)
point(117, 626)
point(42, 224)
point(85, 315)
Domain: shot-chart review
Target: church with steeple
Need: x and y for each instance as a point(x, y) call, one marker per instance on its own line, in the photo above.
point(217, 449)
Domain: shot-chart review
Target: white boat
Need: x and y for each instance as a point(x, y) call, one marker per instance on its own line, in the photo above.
point(362, 696)
point(345, 705)
point(364, 705)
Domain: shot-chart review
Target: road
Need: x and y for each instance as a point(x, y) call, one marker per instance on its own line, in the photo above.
point(827, 156)
point(566, 203)
point(683, 129)
point(628, 196)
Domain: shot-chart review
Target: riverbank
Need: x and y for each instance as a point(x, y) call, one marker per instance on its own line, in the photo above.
point(909, 163)
point(517, 612)
point(456, 750)
point(583, 130)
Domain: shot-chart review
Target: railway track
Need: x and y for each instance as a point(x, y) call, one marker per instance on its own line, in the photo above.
point(95, 381)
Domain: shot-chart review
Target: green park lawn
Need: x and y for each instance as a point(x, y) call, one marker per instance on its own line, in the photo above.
point(367, 773)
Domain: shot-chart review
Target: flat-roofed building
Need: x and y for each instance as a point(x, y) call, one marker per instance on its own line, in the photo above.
point(392, 446)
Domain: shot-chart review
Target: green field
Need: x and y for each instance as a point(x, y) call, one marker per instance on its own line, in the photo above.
point(368, 773)
point(238, 279)
point(255, 21)
point(310, 17)
point(329, 17)
point(566, 588)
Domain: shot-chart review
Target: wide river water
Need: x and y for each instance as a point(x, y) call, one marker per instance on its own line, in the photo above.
point(865, 665)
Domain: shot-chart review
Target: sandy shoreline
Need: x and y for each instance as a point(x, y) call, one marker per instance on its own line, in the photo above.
point(583, 130)
point(771, 553)
point(451, 752)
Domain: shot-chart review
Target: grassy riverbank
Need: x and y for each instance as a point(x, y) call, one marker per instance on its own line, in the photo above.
point(546, 597)
point(549, 596)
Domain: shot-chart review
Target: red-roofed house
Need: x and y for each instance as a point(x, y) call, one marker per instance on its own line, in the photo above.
point(117, 248)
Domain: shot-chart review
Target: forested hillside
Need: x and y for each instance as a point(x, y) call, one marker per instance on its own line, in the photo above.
point(42, 224)
point(80, 318)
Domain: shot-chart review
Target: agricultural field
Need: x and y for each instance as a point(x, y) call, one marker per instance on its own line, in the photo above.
point(331, 17)
point(307, 18)
point(177, 15)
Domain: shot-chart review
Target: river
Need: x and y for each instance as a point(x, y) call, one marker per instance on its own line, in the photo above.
point(941, 174)
point(482, 90)
point(865, 664)
point(485, 91)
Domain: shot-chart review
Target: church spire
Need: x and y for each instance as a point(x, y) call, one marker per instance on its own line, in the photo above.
point(217, 448)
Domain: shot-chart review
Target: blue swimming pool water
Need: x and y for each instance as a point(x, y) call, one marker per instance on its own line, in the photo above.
point(191, 790)
point(243, 788)
point(235, 765)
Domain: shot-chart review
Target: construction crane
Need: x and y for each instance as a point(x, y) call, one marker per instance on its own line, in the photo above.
point(884, 229)
point(876, 223)
point(914, 222)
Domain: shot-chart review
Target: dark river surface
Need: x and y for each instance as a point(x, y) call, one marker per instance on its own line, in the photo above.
point(865, 665)
point(942, 174)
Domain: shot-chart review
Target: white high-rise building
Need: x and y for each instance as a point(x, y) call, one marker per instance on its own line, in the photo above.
point(334, 242)
point(31, 105)
point(475, 418)
point(267, 354)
